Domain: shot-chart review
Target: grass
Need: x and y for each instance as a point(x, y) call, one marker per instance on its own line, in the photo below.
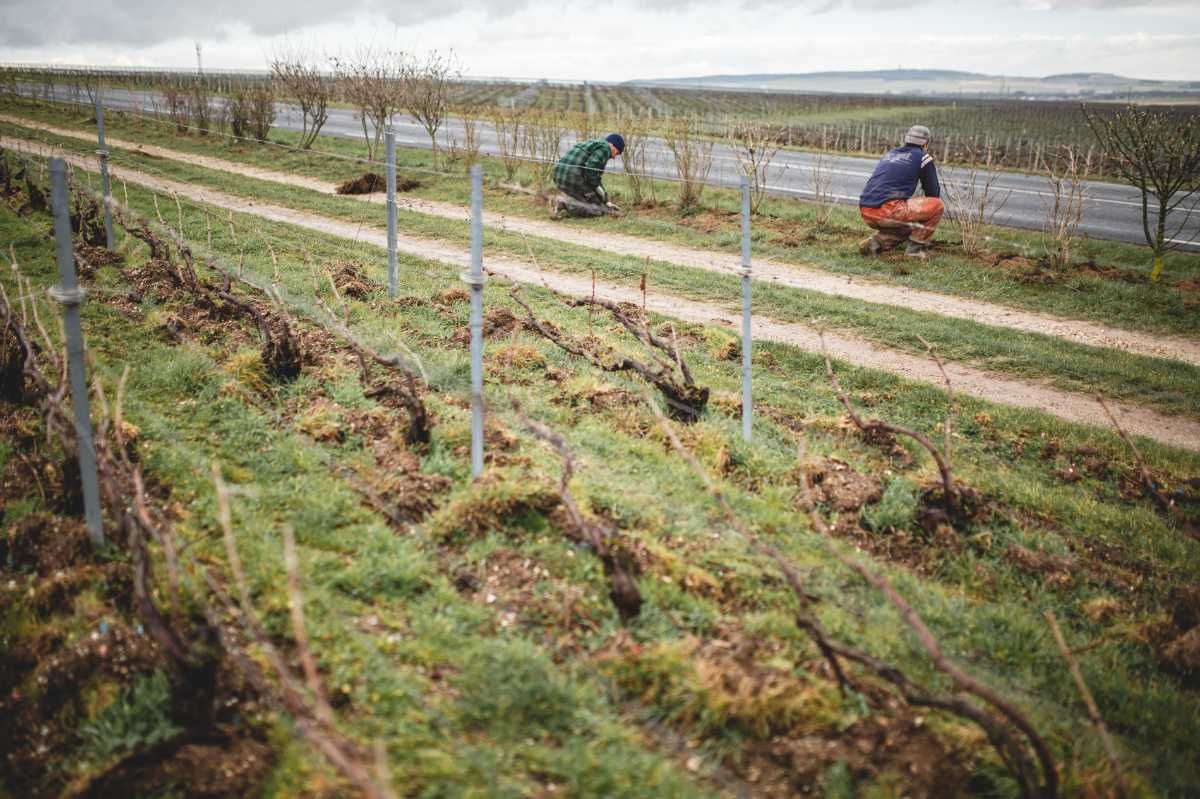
point(1163, 384)
point(553, 712)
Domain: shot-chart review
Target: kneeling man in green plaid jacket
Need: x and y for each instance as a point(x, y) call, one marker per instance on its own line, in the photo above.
point(577, 175)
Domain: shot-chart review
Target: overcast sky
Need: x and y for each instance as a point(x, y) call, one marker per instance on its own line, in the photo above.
point(623, 39)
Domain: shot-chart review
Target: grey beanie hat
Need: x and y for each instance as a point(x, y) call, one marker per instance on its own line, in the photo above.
point(917, 134)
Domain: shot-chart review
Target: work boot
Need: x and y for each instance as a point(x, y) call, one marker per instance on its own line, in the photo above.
point(870, 247)
point(917, 250)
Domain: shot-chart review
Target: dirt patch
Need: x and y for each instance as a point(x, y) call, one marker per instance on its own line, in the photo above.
point(89, 258)
point(399, 481)
point(44, 544)
point(839, 487)
point(1056, 570)
point(1184, 604)
point(497, 323)
point(233, 766)
point(368, 183)
point(351, 281)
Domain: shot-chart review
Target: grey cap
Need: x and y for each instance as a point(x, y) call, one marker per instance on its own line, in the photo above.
point(917, 134)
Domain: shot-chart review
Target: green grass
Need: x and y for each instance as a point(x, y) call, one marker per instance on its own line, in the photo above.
point(1162, 384)
point(552, 713)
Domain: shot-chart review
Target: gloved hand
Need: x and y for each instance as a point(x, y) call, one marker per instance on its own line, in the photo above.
point(613, 207)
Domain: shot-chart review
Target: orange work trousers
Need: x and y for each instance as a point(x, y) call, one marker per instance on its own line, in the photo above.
point(898, 220)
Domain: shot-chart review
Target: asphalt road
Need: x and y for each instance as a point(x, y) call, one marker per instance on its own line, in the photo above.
point(1111, 211)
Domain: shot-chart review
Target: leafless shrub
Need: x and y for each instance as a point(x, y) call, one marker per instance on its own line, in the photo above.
point(755, 147)
point(1160, 156)
point(236, 110)
point(507, 124)
point(375, 82)
point(468, 152)
point(973, 204)
point(541, 138)
point(427, 92)
point(820, 181)
point(199, 107)
point(298, 78)
point(262, 111)
point(1068, 190)
point(178, 108)
point(634, 158)
point(693, 159)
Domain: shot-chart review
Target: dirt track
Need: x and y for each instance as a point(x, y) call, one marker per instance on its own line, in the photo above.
point(1175, 431)
point(1080, 331)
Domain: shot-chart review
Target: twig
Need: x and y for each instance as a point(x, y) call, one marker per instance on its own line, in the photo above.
point(1089, 701)
point(686, 401)
point(1143, 470)
point(947, 477)
point(299, 631)
point(949, 395)
point(960, 678)
point(622, 589)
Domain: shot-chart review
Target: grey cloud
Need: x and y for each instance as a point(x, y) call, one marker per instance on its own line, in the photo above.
point(32, 23)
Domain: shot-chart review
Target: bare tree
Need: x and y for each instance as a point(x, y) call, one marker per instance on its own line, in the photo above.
point(375, 83)
point(820, 181)
point(299, 78)
point(693, 159)
point(1160, 156)
point(262, 111)
point(755, 147)
point(428, 92)
point(973, 204)
point(1068, 189)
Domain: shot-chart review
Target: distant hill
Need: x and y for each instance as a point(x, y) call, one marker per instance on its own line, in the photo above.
point(940, 82)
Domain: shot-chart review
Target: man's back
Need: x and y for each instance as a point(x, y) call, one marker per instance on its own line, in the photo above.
point(579, 171)
point(897, 174)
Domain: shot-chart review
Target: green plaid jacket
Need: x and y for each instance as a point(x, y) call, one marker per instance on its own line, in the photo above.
point(578, 173)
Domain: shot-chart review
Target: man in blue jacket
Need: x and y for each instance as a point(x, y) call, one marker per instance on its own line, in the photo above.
point(887, 203)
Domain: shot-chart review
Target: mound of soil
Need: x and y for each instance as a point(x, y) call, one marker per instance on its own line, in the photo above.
point(843, 489)
point(350, 280)
point(369, 183)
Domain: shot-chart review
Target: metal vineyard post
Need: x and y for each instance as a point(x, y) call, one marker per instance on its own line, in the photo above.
point(745, 273)
point(102, 153)
point(71, 296)
point(390, 138)
point(474, 279)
